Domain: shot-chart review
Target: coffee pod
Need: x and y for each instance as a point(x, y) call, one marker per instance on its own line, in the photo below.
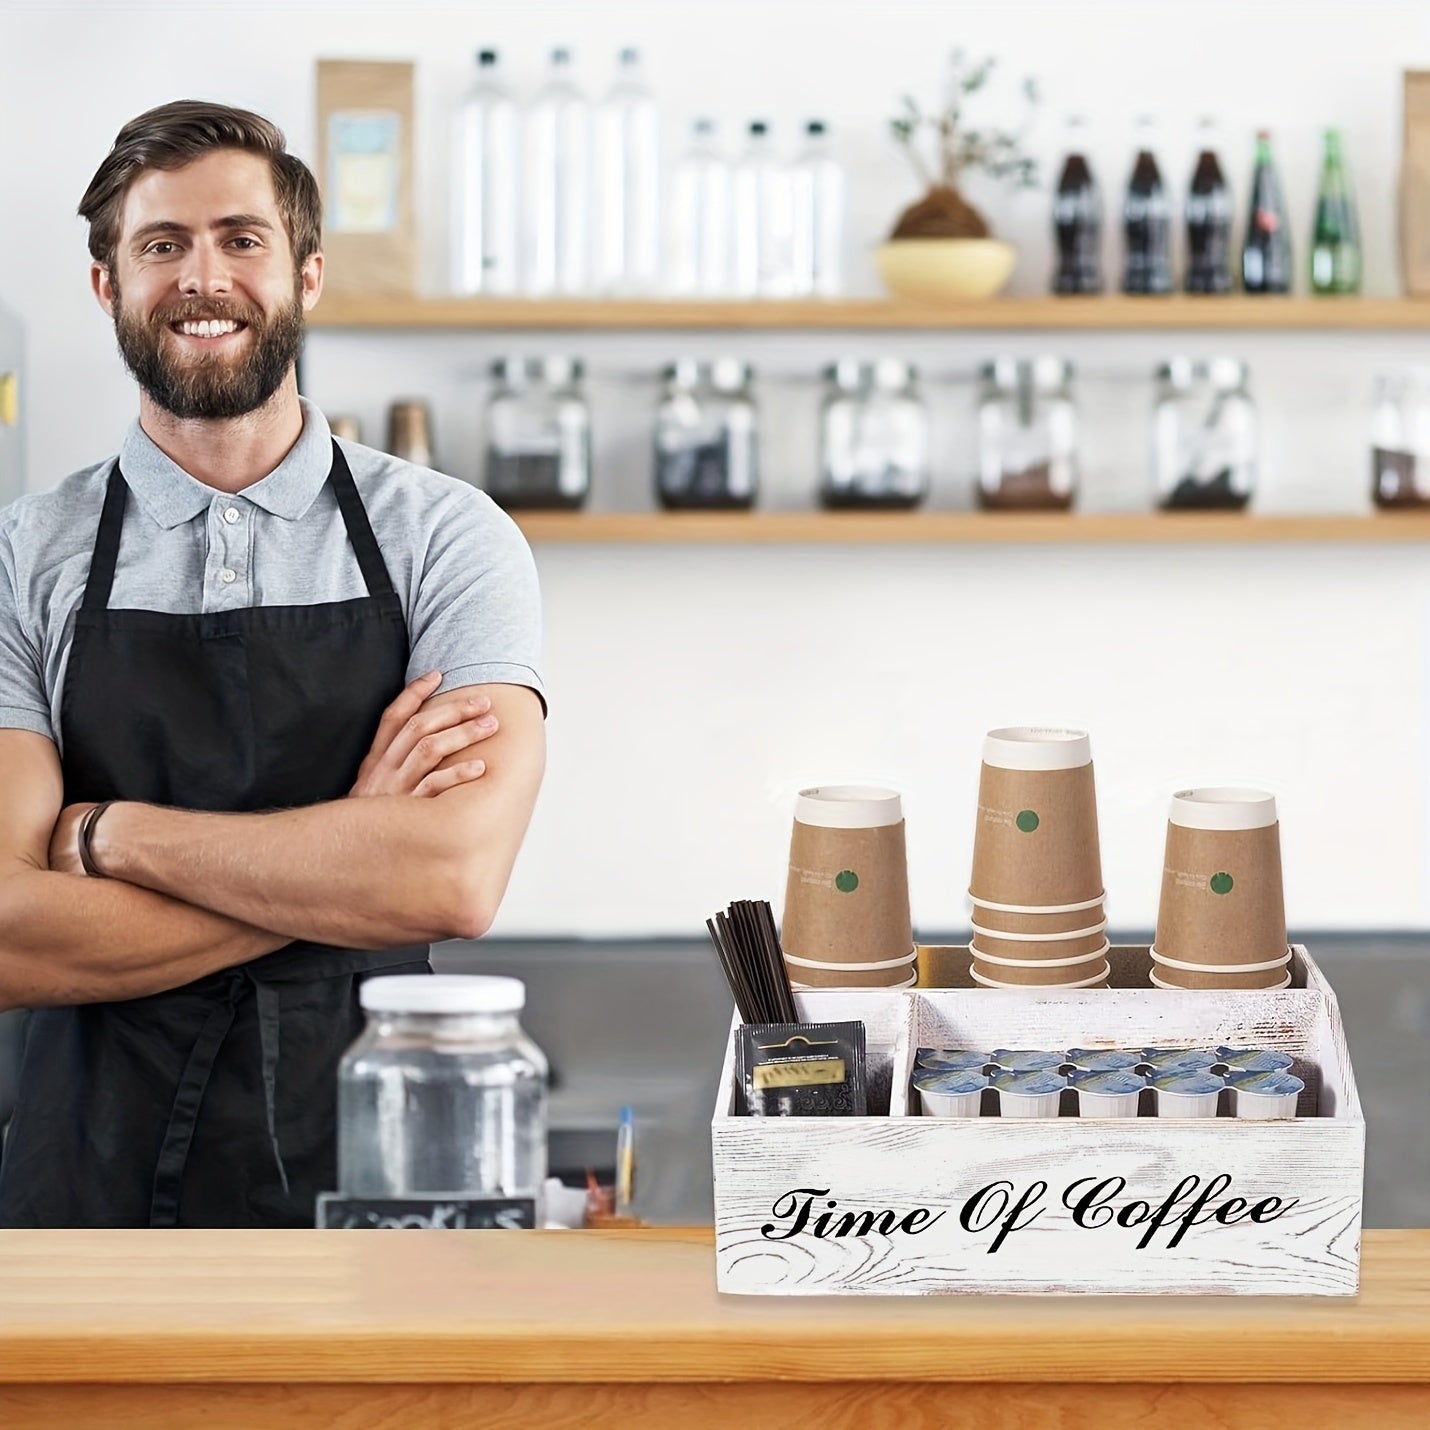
point(1222, 901)
point(950, 1094)
point(1028, 1059)
point(1029, 1094)
point(847, 896)
point(951, 1059)
point(1230, 978)
point(1090, 1060)
point(1097, 979)
point(1038, 948)
point(1179, 1060)
point(1114, 1093)
point(1264, 1094)
point(1035, 845)
point(1187, 1094)
point(1042, 973)
point(1262, 1060)
point(1008, 923)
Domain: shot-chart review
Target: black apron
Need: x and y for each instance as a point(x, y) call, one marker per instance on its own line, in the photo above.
point(214, 1104)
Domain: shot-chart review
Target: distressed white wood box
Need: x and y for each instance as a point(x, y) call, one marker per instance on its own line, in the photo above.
point(901, 1204)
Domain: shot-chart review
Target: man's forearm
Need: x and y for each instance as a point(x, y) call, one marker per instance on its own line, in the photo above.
point(67, 939)
point(360, 873)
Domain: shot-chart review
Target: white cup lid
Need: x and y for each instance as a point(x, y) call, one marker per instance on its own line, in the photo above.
point(1223, 808)
point(442, 993)
point(1034, 747)
point(849, 806)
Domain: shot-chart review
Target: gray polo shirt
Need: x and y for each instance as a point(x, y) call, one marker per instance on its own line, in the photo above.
point(459, 564)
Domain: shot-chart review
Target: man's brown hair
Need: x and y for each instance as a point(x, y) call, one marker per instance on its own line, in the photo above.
point(176, 134)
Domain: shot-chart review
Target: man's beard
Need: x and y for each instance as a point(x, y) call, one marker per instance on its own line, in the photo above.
point(210, 385)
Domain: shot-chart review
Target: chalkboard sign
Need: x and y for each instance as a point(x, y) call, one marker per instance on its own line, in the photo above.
point(426, 1213)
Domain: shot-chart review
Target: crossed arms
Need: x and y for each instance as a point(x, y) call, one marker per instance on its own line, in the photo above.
point(190, 893)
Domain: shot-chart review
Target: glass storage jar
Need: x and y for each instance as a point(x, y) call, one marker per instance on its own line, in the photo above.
point(874, 436)
point(1400, 439)
point(1204, 436)
point(443, 1093)
point(1027, 435)
point(538, 434)
point(706, 438)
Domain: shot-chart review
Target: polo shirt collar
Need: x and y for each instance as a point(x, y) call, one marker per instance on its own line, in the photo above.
point(170, 496)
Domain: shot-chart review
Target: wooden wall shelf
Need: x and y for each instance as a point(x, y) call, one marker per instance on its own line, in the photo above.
point(1110, 313)
point(964, 528)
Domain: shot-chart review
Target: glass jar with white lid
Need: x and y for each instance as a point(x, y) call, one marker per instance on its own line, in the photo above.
point(443, 1094)
point(874, 436)
point(538, 434)
point(1205, 435)
point(1027, 435)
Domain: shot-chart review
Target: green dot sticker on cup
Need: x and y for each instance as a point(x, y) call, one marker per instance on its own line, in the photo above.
point(1221, 883)
point(1027, 821)
point(846, 881)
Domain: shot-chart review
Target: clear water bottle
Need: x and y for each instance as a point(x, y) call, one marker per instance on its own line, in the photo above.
point(443, 1093)
point(558, 129)
point(484, 202)
point(628, 165)
point(764, 220)
point(700, 218)
point(818, 182)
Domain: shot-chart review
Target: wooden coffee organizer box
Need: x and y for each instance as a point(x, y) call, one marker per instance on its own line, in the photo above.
point(901, 1204)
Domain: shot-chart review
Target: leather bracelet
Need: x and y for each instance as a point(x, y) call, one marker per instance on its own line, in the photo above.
point(86, 828)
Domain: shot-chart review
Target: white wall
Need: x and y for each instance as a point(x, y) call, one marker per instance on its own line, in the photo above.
point(695, 690)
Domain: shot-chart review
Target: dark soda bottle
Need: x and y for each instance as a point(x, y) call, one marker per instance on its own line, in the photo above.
point(1147, 219)
point(1266, 250)
point(1077, 221)
point(1208, 222)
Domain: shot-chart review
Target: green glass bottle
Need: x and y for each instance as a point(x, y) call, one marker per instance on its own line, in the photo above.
point(1335, 249)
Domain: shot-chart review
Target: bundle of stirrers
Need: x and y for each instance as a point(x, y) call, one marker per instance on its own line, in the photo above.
point(749, 948)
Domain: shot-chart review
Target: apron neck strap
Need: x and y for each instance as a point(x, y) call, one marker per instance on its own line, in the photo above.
point(111, 522)
point(369, 554)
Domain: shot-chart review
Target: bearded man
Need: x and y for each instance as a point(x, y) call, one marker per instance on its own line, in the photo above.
point(270, 719)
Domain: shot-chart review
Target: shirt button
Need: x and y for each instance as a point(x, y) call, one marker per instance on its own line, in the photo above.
point(231, 515)
point(228, 576)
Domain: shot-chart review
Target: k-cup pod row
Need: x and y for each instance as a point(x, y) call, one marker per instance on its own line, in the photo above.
point(1108, 1082)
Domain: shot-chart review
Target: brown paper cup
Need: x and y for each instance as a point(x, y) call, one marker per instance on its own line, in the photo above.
point(1039, 950)
point(1042, 974)
point(992, 979)
point(1222, 901)
point(1002, 921)
point(1035, 842)
point(847, 896)
point(1164, 977)
point(838, 976)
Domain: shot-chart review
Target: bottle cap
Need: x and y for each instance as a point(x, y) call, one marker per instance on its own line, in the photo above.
point(815, 126)
point(758, 126)
point(486, 57)
point(442, 993)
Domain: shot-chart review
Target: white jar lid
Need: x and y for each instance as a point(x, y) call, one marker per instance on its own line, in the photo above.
point(442, 993)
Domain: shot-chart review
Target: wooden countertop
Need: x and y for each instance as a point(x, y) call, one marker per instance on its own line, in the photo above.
point(633, 1306)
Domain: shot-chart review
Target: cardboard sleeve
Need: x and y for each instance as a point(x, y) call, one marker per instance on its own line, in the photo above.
point(1415, 185)
point(1222, 900)
point(847, 897)
point(1035, 841)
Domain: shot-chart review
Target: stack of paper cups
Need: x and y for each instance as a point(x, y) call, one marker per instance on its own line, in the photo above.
point(1221, 922)
point(846, 916)
point(1037, 870)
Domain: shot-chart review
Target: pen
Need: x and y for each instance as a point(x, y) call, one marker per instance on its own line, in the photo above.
point(625, 1162)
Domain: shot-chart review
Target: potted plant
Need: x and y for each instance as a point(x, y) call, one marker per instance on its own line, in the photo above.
point(941, 247)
